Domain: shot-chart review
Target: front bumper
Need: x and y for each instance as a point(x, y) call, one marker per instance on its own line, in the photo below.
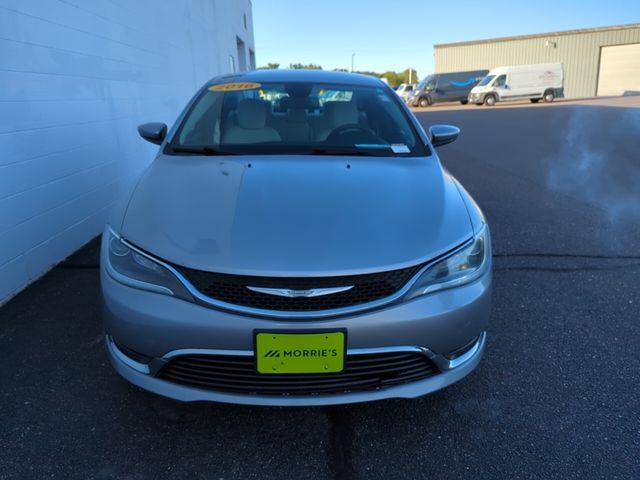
point(452, 371)
point(158, 325)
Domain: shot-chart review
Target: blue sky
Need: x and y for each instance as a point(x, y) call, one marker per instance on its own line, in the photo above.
point(394, 35)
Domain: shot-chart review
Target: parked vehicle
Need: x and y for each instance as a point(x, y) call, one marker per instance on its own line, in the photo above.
point(405, 90)
point(445, 87)
point(316, 256)
point(533, 82)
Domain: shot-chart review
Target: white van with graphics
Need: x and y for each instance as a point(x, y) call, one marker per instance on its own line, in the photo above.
point(534, 82)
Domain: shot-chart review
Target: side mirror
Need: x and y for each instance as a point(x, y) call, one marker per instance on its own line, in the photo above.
point(443, 134)
point(153, 132)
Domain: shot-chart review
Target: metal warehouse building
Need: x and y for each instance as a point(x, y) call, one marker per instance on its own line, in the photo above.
point(597, 61)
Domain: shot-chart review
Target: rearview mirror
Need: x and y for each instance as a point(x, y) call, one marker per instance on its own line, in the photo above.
point(443, 134)
point(153, 132)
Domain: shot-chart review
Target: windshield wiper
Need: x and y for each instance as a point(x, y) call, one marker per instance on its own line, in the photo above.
point(204, 150)
point(356, 150)
point(383, 151)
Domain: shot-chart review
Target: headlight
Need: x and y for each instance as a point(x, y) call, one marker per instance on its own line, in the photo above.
point(137, 270)
point(458, 269)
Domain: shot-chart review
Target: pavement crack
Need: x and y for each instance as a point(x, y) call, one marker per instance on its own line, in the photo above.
point(339, 449)
point(591, 268)
point(563, 262)
point(567, 255)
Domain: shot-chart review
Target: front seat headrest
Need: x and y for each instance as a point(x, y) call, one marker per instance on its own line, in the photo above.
point(252, 113)
point(341, 113)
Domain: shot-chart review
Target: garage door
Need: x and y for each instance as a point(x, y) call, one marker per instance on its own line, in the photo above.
point(619, 70)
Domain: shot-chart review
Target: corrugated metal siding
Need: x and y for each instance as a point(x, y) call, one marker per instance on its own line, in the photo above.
point(579, 53)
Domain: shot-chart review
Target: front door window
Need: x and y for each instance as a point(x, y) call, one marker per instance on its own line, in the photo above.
point(501, 81)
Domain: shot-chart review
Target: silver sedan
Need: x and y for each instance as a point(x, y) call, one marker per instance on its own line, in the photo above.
point(296, 241)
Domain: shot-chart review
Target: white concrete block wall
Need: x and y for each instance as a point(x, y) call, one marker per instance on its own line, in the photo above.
point(76, 78)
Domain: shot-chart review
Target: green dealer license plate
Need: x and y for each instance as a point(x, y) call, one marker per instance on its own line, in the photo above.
point(278, 353)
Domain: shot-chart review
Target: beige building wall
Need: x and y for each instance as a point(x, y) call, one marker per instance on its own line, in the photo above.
point(577, 50)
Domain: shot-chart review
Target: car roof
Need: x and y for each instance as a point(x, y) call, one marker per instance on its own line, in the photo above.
point(282, 76)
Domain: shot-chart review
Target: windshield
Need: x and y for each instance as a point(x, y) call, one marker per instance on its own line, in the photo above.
point(486, 80)
point(297, 118)
point(428, 82)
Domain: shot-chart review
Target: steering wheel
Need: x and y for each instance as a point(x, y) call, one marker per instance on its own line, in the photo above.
point(349, 129)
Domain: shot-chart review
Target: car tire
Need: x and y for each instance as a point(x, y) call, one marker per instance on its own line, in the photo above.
point(464, 102)
point(549, 96)
point(489, 100)
point(534, 100)
point(424, 102)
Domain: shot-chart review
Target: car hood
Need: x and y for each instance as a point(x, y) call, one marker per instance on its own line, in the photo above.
point(296, 215)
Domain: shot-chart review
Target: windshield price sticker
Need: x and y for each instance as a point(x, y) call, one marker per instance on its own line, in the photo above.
point(234, 87)
point(400, 148)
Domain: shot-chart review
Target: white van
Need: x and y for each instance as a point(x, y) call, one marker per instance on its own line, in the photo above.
point(534, 82)
point(405, 90)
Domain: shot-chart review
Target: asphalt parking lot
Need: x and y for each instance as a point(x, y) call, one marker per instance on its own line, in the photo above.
point(556, 396)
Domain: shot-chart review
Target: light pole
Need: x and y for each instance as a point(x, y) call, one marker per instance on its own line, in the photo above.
point(353, 55)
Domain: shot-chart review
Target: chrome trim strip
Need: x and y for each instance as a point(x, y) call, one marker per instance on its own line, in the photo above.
point(291, 293)
point(115, 351)
point(400, 349)
point(207, 351)
point(250, 353)
point(456, 362)
point(445, 364)
point(291, 314)
point(441, 361)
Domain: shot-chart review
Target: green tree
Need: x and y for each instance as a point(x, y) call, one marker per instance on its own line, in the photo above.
point(301, 66)
point(403, 76)
point(392, 78)
point(409, 75)
point(368, 72)
point(270, 66)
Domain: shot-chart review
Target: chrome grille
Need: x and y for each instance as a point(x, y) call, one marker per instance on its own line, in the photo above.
point(233, 289)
